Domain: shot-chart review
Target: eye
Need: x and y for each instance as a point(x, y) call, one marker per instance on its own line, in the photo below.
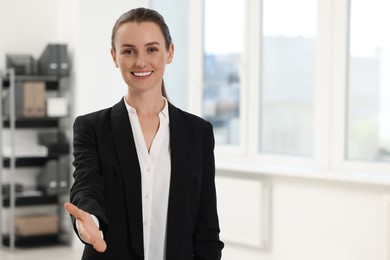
point(128, 52)
point(152, 50)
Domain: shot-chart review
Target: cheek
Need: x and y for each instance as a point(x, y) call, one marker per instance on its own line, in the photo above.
point(161, 62)
point(122, 64)
point(123, 69)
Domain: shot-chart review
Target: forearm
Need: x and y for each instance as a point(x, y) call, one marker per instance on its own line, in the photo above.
point(87, 191)
point(207, 245)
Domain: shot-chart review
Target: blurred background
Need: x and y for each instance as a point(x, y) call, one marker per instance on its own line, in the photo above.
point(298, 92)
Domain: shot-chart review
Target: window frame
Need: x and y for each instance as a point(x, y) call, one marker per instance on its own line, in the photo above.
point(330, 93)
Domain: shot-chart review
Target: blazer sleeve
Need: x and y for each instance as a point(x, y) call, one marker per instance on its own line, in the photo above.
point(207, 245)
point(88, 187)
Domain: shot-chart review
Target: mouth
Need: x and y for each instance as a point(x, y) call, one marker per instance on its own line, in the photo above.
point(142, 74)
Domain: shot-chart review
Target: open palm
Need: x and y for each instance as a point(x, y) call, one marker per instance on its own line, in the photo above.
point(87, 228)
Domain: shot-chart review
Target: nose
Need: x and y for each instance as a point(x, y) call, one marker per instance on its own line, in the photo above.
point(141, 61)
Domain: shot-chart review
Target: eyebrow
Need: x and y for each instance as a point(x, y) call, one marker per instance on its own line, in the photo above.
point(126, 45)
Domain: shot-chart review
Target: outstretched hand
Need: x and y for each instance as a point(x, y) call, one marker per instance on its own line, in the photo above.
point(87, 228)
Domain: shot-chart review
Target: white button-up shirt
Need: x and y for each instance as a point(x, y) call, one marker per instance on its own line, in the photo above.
point(155, 176)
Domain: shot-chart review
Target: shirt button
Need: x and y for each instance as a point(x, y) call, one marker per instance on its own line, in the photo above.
point(146, 196)
point(148, 169)
point(144, 223)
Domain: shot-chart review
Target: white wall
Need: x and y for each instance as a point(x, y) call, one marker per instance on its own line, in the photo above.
point(98, 81)
point(310, 219)
point(315, 219)
point(26, 27)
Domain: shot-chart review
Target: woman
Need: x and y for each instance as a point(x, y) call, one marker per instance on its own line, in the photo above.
point(144, 169)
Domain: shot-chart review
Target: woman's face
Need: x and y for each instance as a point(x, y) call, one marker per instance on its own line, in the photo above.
point(141, 55)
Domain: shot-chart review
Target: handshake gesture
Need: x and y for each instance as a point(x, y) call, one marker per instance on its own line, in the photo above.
point(87, 228)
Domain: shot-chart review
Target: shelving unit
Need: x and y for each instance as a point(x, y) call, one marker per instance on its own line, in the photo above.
point(33, 197)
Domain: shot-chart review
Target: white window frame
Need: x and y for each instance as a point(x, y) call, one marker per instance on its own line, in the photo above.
point(340, 60)
point(329, 110)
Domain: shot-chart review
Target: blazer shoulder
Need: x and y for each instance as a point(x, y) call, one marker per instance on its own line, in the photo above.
point(102, 115)
point(187, 117)
point(94, 117)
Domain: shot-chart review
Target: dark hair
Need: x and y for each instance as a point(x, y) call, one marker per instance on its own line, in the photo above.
point(139, 15)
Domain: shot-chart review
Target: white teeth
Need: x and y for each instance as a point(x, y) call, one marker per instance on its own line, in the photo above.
point(142, 74)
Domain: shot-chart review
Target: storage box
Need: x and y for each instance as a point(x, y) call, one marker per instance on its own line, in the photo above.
point(34, 98)
point(22, 63)
point(36, 225)
point(56, 106)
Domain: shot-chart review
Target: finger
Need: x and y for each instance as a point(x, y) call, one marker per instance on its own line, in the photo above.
point(99, 245)
point(73, 210)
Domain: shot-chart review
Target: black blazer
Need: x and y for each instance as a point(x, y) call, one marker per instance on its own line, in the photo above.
point(107, 183)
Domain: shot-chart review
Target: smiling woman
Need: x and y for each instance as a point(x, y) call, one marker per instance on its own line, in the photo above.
point(141, 59)
point(144, 169)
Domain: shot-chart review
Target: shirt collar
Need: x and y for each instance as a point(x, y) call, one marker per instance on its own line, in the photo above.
point(163, 112)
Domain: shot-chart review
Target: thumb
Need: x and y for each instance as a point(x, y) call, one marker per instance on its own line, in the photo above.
point(99, 245)
point(73, 210)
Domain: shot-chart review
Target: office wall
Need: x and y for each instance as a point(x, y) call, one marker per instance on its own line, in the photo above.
point(26, 26)
point(98, 81)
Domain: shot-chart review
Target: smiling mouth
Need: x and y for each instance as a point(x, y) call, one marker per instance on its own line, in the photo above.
point(142, 74)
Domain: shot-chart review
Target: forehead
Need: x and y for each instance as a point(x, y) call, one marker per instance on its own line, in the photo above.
point(139, 33)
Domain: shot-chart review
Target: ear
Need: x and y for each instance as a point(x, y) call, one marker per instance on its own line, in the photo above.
point(171, 51)
point(113, 55)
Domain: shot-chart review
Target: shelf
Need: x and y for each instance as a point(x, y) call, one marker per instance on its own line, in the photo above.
point(50, 131)
point(33, 122)
point(52, 82)
point(31, 200)
point(34, 241)
point(28, 161)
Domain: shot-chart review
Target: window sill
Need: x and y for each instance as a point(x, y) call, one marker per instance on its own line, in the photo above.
point(369, 178)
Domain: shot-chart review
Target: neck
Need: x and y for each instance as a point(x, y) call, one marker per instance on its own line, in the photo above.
point(146, 105)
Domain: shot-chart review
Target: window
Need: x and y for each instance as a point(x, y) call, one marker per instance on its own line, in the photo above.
point(176, 75)
point(287, 84)
point(223, 47)
point(368, 104)
point(294, 82)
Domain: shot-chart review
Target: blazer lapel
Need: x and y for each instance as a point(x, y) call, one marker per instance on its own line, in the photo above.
point(128, 159)
point(178, 189)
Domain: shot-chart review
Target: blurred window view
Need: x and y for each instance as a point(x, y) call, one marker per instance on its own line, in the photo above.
point(176, 74)
point(368, 111)
point(287, 76)
point(223, 45)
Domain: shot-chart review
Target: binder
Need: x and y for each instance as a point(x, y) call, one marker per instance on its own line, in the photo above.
point(64, 66)
point(19, 96)
point(54, 178)
point(47, 179)
point(63, 175)
point(48, 62)
point(54, 60)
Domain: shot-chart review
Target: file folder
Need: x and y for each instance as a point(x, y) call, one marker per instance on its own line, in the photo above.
point(54, 60)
